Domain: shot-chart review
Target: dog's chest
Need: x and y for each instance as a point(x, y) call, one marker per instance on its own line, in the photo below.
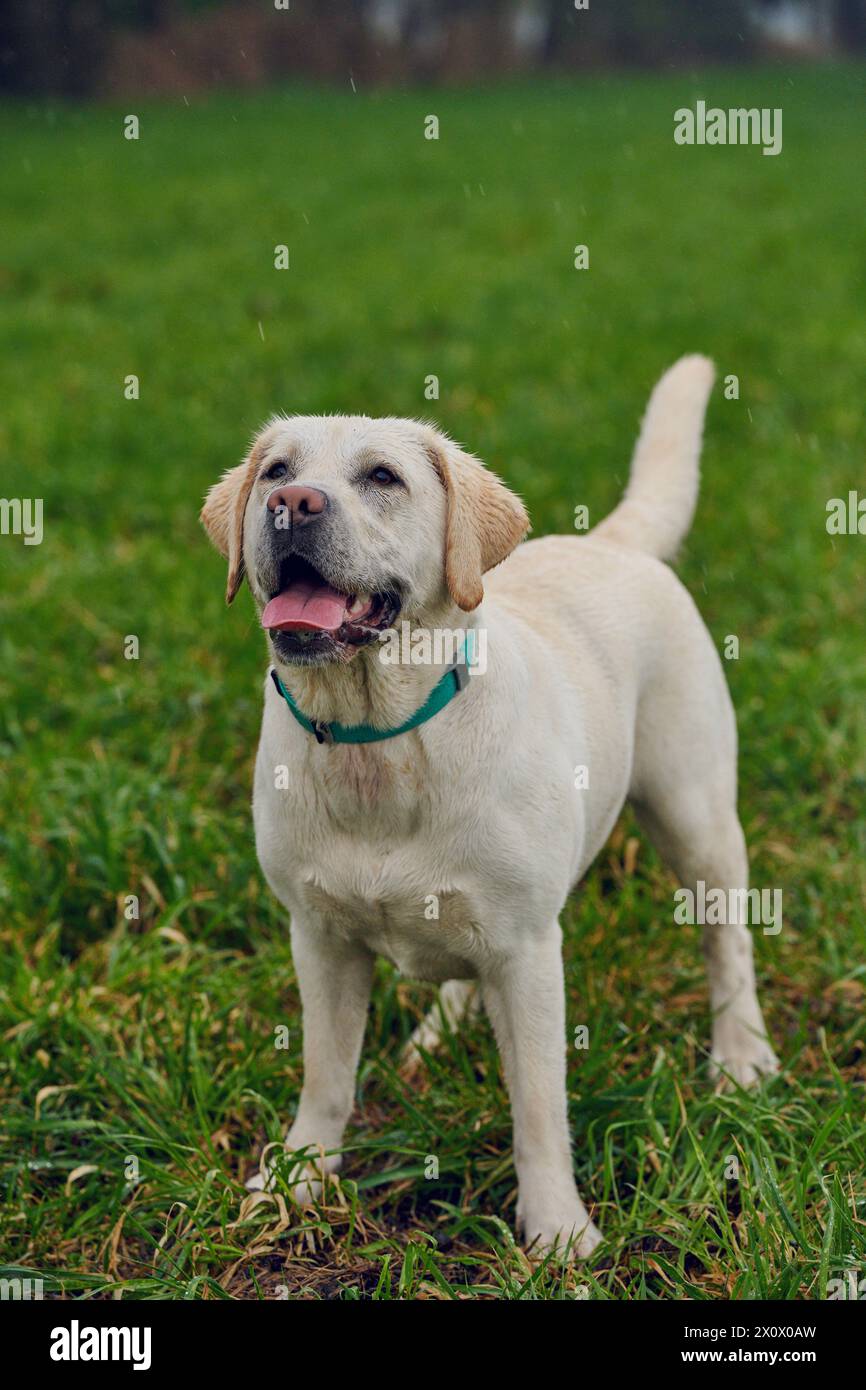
point(364, 852)
point(430, 936)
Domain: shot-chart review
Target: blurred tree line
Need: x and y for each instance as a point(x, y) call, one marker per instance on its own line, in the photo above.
point(76, 48)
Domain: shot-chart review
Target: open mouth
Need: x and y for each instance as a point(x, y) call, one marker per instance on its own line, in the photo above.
point(308, 618)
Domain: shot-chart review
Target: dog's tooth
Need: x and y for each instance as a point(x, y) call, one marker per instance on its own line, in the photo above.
point(359, 603)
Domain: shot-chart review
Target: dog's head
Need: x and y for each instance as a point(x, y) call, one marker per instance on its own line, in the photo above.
point(342, 523)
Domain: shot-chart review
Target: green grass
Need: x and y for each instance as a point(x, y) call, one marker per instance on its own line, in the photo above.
point(153, 1039)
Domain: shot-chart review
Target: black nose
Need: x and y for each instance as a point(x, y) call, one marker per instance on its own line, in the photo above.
point(302, 503)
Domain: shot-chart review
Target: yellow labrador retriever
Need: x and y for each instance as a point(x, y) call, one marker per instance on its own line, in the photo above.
point(439, 815)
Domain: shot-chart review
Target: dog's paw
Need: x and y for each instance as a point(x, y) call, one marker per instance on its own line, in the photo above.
point(741, 1058)
point(265, 1180)
point(427, 1037)
point(304, 1178)
point(412, 1068)
point(563, 1230)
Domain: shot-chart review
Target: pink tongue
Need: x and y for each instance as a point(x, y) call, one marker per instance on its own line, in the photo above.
point(305, 607)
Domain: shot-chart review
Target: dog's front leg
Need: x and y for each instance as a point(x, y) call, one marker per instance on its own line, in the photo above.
point(525, 998)
point(335, 977)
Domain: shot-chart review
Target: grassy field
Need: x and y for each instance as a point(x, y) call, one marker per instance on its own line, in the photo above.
point(138, 1073)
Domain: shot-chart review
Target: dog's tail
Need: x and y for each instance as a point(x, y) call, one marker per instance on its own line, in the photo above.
point(659, 503)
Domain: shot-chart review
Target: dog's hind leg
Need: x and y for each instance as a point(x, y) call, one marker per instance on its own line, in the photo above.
point(684, 794)
point(458, 999)
point(714, 853)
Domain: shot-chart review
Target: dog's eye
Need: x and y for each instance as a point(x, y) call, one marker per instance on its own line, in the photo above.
point(276, 470)
point(383, 476)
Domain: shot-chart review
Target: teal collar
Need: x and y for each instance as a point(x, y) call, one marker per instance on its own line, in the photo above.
point(455, 679)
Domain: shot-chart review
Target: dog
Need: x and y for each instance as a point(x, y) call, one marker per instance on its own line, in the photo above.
point(433, 816)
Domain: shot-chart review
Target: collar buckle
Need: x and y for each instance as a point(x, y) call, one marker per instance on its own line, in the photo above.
point(322, 731)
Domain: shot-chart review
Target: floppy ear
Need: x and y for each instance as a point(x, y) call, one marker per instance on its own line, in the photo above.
point(485, 521)
point(223, 516)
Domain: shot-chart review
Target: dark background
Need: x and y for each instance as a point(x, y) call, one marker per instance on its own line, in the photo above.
point(129, 47)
